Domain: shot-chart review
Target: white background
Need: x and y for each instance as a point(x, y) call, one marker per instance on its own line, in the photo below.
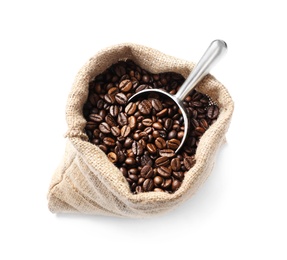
point(239, 213)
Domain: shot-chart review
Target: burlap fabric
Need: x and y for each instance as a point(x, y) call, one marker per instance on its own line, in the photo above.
point(87, 182)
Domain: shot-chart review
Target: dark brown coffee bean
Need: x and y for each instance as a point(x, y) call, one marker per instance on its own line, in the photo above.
point(199, 131)
point(131, 108)
point(158, 180)
point(137, 148)
point(110, 99)
point(103, 147)
point(178, 175)
point(130, 161)
point(164, 172)
point(121, 156)
point(122, 119)
point(151, 148)
point(180, 135)
point(141, 87)
point(146, 160)
point(212, 112)
point(145, 107)
point(120, 71)
point(173, 144)
point(160, 143)
point(95, 117)
point(168, 124)
point(133, 177)
point(166, 184)
point(121, 98)
point(113, 90)
point(147, 172)
point(132, 122)
point(156, 104)
point(162, 161)
point(114, 110)
point(112, 157)
point(175, 164)
point(139, 189)
point(157, 126)
point(148, 185)
point(162, 113)
point(109, 141)
point(175, 185)
point(105, 128)
point(203, 123)
point(172, 134)
point(147, 122)
point(115, 131)
point(128, 142)
point(125, 131)
point(110, 120)
point(91, 125)
point(166, 153)
point(189, 162)
point(125, 85)
point(158, 190)
point(146, 78)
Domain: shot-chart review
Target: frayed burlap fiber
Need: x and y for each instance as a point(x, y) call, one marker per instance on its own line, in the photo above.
point(87, 182)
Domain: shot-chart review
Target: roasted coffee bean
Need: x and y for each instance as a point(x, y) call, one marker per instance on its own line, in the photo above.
point(137, 148)
point(105, 128)
point(160, 143)
point(147, 122)
point(114, 110)
point(147, 172)
point(121, 98)
point(130, 161)
point(157, 126)
point(199, 131)
point(162, 161)
point(156, 104)
point(148, 185)
point(112, 157)
point(151, 148)
point(146, 160)
point(110, 120)
point(162, 113)
point(141, 137)
point(168, 124)
point(122, 119)
point(175, 164)
point(188, 162)
point(125, 131)
point(158, 180)
point(110, 99)
point(172, 134)
point(145, 107)
point(125, 85)
point(95, 117)
point(115, 131)
point(131, 108)
point(175, 185)
point(212, 112)
point(164, 172)
point(173, 144)
point(109, 141)
point(178, 175)
point(166, 152)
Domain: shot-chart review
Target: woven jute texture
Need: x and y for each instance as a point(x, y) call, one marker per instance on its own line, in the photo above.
point(87, 182)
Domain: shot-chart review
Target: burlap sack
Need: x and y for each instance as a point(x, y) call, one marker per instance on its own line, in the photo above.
point(87, 182)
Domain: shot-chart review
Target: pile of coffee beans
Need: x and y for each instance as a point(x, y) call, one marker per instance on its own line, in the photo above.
point(141, 137)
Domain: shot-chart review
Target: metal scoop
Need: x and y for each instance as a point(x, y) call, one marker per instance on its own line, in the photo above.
point(212, 55)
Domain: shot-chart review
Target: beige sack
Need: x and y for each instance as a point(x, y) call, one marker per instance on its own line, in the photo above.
point(87, 182)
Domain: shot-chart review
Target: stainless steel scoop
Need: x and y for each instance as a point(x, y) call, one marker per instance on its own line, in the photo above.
point(212, 55)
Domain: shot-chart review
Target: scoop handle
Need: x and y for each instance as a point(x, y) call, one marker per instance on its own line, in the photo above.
point(212, 55)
